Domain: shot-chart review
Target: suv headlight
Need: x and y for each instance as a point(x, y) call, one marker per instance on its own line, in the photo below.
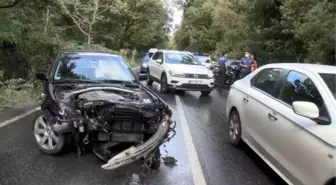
point(175, 74)
point(210, 75)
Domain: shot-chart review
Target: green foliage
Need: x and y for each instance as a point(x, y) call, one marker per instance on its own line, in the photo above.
point(288, 30)
point(32, 32)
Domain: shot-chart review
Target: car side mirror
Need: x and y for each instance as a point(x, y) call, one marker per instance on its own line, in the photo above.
point(41, 76)
point(158, 61)
point(306, 109)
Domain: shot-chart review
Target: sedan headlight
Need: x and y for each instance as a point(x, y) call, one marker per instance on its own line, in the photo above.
point(175, 74)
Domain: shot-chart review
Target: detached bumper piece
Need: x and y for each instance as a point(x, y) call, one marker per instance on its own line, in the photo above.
point(142, 151)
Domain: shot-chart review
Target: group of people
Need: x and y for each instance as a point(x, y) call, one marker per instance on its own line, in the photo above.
point(247, 64)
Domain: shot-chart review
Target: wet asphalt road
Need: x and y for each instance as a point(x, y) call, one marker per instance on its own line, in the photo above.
point(21, 163)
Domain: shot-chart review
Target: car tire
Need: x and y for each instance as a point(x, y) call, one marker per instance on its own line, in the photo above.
point(43, 135)
point(149, 80)
point(164, 84)
point(205, 93)
point(235, 129)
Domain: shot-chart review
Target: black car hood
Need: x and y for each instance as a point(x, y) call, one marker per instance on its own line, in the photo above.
point(105, 93)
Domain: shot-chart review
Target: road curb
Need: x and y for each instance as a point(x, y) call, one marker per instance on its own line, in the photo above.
point(27, 113)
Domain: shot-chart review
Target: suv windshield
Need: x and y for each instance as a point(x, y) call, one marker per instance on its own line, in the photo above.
point(330, 80)
point(94, 67)
point(181, 58)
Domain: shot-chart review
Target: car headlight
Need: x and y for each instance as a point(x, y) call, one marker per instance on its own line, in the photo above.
point(175, 74)
point(210, 75)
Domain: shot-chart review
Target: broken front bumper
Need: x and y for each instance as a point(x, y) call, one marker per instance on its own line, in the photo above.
point(142, 151)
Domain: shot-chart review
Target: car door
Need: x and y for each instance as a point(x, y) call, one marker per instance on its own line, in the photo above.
point(258, 110)
point(155, 66)
point(299, 143)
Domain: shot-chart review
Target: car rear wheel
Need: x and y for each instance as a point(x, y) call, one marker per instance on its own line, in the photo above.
point(164, 84)
point(205, 93)
point(149, 80)
point(235, 129)
point(47, 140)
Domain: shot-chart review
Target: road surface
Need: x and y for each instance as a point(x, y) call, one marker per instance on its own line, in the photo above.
point(221, 164)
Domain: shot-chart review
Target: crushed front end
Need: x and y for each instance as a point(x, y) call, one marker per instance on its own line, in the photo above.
point(104, 117)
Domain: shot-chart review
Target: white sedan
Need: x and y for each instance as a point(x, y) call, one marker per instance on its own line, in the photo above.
point(287, 114)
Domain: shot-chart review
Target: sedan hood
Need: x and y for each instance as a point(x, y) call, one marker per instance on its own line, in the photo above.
point(195, 69)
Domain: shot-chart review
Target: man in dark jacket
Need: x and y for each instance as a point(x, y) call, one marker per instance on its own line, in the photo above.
point(246, 63)
point(222, 73)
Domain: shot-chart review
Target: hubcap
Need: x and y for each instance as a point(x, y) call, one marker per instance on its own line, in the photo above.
point(44, 135)
point(234, 127)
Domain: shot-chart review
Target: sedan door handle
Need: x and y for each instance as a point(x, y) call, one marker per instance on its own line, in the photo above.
point(246, 100)
point(272, 117)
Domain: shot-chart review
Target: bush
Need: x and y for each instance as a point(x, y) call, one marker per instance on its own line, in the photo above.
point(15, 91)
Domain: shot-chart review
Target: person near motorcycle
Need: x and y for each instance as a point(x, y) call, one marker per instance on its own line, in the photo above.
point(246, 63)
point(223, 68)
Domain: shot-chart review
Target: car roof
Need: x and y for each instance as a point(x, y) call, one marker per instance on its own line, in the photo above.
point(91, 53)
point(315, 68)
point(174, 51)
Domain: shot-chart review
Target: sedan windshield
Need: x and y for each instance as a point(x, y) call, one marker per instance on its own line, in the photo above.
point(181, 58)
point(330, 80)
point(203, 59)
point(95, 67)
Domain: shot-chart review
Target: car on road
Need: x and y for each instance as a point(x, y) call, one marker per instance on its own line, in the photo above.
point(179, 70)
point(287, 114)
point(94, 100)
point(144, 64)
point(204, 58)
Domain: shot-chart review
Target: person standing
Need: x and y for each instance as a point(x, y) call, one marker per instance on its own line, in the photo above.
point(145, 58)
point(223, 68)
point(246, 63)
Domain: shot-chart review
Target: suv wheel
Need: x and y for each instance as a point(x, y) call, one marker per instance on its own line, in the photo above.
point(205, 93)
point(149, 80)
point(235, 129)
point(164, 84)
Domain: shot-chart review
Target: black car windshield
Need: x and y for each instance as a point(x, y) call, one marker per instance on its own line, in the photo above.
point(330, 80)
point(181, 58)
point(93, 67)
point(202, 59)
point(233, 62)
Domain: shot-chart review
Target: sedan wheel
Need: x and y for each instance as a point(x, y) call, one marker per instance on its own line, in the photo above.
point(47, 140)
point(235, 129)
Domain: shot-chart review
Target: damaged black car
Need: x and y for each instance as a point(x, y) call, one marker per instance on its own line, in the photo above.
point(94, 101)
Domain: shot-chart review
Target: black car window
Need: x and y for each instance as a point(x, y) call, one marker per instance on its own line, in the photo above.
point(299, 87)
point(156, 55)
point(266, 80)
point(160, 56)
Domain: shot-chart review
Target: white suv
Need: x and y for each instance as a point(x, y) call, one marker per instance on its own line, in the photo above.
point(180, 71)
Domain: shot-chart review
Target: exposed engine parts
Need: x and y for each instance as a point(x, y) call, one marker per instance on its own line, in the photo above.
point(103, 117)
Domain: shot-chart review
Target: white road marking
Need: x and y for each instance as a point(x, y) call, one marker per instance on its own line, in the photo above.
point(194, 162)
point(16, 118)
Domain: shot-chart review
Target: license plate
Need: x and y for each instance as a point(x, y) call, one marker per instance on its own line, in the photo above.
point(195, 81)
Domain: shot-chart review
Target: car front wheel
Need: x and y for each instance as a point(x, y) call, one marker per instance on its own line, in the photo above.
point(235, 129)
point(205, 93)
point(164, 84)
point(47, 140)
point(149, 80)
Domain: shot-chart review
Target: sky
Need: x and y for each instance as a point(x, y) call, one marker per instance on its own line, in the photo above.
point(177, 14)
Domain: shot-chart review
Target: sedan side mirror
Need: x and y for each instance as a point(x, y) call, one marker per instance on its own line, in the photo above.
point(158, 61)
point(306, 109)
point(41, 76)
